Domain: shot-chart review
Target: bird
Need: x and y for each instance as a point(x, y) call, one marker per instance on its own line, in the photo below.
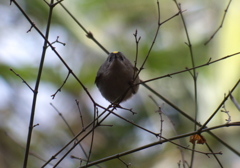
point(117, 78)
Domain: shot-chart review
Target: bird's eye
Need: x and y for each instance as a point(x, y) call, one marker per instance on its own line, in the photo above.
point(110, 59)
point(121, 57)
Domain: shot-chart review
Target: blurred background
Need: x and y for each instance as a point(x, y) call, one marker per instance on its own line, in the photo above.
point(113, 23)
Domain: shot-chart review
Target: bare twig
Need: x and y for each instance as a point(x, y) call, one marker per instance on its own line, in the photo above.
point(158, 143)
point(30, 152)
point(38, 77)
point(93, 133)
point(53, 49)
point(161, 116)
point(188, 69)
point(221, 24)
point(160, 111)
point(80, 113)
point(137, 39)
point(70, 129)
point(221, 104)
point(57, 41)
point(126, 164)
point(226, 112)
point(81, 159)
point(235, 102)
point(59, 90)
point(194, 75)
point(190, 118)
point(154, 39)
point(220, 164)
point(22, 80)
point(89, 132)
point(89, 34)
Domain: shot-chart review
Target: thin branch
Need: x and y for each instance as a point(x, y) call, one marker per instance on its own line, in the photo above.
point(109, 112)
point(194, 75)
point(80, 113)
point(188, 69)
point(22, 80)
point(59, 90)
point(160, 111)
point(80, 133)
point(30, 152)
point(190, 118)
point(137, 39)
point(235, 102)
point(158, 143)
point(214, 154)
point(130, 110)
point(197, 151)
point(154, 39)
point(81, 159)
point(226, 112)
point(89, 34)
point(57, 41)
point(37, 80)
point(160, 115)
point(126, 164)
point(74, 145)
point(221, 25)
point(93, 133)
point(70, 129)
point(221, 104)
point(53, 49)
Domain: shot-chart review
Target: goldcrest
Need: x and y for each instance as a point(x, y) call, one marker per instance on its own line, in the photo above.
point(116, 78)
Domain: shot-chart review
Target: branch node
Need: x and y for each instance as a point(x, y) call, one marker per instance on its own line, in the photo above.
point(89, 35)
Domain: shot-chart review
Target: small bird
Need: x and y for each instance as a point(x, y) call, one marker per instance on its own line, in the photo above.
point(116, 78)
